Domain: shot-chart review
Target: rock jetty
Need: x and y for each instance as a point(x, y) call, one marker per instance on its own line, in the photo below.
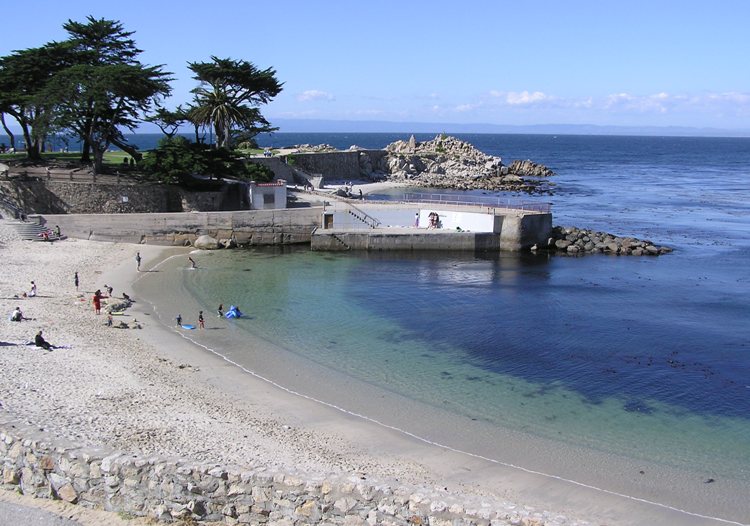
point(448, 162)
point(575, 241)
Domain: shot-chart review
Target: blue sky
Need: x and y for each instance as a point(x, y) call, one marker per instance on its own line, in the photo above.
point(625, 63)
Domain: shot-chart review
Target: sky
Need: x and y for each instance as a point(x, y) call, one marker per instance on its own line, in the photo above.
point(533, 62)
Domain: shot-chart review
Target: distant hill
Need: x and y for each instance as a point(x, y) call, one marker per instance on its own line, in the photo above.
point(333, 126)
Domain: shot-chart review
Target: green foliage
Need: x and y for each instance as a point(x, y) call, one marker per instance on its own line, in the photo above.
point(228, 97)
point(177, 161)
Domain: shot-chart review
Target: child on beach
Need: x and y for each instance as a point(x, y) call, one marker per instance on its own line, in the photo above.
point(179, 320)
point(75, 279)
point(138, 260)
point(200, 320)
point(220, 310)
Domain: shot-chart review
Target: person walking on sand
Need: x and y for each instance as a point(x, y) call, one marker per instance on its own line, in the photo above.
point(138, 260)
point(201, 321)
point(178, 319)
point(75, 280)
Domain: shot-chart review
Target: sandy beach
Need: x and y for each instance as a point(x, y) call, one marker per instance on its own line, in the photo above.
point(151, 390)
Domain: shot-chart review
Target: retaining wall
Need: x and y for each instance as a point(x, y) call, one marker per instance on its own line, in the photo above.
point(167, 489)
point(80, 197)
point(247, 227)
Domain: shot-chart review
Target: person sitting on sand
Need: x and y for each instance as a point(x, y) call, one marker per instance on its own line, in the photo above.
point(39, 341)
point(17, 315)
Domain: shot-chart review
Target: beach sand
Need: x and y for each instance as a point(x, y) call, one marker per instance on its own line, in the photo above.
point(152, 391)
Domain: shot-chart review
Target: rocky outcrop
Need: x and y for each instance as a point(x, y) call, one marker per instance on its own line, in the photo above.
point(578, 241)
point(447, 162)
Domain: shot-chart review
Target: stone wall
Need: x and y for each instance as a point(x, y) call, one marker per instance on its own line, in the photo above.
point(168, 489)
point(247, 227)
point(79, 197)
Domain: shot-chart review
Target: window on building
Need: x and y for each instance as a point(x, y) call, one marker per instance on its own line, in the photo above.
point(269, 199)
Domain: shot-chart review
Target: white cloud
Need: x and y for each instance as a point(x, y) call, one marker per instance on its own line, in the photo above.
point(521, 98)
point(314, 94)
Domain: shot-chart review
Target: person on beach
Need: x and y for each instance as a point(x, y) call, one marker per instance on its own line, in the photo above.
point(56, 231)
point(17, 315)
point(416, 220)
point(201, 321)
point(32, 292)
point(39, 341)
point(75, 280)
point(192, 262)
point(138, 260)
point(178, 319)
point(97, 301)
point(109, 290)
point(109, 320)
point(220, 310)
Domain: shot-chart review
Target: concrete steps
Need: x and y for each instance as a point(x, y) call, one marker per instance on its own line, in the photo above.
point(32, 231)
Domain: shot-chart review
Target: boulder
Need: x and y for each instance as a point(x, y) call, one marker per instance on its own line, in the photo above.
point(205, 242)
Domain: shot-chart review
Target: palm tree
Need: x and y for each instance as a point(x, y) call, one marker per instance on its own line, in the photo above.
point(228, 97)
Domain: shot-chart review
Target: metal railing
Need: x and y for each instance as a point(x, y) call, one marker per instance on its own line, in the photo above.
point(476, 200)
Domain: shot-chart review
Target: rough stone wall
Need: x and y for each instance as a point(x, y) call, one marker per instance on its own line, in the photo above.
point(167, 489)
point(333, 165)
point(72, 197)
point(84, 197)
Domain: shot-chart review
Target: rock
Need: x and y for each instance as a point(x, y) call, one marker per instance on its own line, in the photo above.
point(205, 242)
point(447, 162)
point(574, 240)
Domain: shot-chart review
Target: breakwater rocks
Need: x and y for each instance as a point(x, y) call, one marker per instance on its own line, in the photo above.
point(447, 162)
point(572, 240)
point(169, 489)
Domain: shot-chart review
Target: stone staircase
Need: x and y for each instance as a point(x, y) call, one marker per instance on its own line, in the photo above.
point(32, 230)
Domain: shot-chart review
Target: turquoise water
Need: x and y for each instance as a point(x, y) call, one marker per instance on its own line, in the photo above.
point(639, 358)
point(400, 323)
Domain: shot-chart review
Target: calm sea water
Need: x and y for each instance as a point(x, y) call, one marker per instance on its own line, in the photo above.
point(647, 358)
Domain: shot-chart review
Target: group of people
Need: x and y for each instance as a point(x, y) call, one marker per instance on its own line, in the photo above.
point(233, 312)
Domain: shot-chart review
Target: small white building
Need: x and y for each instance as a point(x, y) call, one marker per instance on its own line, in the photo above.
point(267, 196)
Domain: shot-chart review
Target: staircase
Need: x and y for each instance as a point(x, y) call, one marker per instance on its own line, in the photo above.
point(363, 216)
point(32, 231)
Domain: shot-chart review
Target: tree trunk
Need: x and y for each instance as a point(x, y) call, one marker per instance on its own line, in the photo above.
point(10, 135)
point(127, 148)
point(32, 147)
point(85, 151)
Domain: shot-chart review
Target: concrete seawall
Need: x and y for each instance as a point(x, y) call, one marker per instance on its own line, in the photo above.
point(251, 227)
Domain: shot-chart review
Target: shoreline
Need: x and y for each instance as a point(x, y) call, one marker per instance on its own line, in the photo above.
point(175, 395)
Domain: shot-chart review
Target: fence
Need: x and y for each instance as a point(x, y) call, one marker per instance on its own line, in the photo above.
point(476, 200)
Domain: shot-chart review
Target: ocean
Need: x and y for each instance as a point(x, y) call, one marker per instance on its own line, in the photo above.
point(641, 361)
